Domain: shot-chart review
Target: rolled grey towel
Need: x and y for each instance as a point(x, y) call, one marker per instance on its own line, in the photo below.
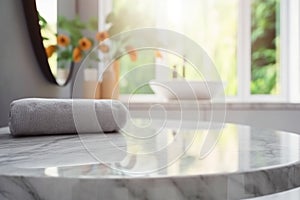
point(36, 116)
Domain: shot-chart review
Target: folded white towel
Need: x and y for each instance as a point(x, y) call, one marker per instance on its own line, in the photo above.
point(36, 116)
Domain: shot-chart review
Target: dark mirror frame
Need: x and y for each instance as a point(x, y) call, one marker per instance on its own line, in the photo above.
point(32, 21)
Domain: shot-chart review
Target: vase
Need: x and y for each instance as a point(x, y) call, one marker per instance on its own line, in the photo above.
point(61, 75)
point(110, 81)
point(90, 74)
point(92, 87)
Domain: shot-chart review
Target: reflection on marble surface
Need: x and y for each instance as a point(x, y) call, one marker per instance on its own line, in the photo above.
point(144, 161)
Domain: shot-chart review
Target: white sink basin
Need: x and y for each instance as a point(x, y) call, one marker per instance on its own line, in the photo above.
point(187, 90)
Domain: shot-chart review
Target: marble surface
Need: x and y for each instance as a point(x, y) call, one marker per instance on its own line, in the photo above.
point(293, 194)
point(189, 160)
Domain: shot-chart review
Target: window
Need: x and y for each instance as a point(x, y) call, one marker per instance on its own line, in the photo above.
point(254, 43)
point(265, 47)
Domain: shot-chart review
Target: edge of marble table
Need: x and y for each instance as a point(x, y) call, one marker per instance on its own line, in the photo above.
point(210, 186)
point(29, 184)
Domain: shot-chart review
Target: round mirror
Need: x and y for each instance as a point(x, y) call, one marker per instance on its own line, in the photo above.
point(52, 26)
point(56, 41)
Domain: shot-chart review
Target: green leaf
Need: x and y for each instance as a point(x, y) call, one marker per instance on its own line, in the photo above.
point(42, 21)
point(110, 18)
point(45, 38)
point(93, 24)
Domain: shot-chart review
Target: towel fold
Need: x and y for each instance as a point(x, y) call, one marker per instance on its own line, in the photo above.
point(36, 116)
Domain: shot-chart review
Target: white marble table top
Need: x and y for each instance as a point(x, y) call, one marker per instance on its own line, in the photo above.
point(191, 160)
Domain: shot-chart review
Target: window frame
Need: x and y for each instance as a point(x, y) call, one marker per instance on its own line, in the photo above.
point(244, 56)
point(293, 49)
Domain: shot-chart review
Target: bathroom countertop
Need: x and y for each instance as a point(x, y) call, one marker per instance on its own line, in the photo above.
point(151, 159)
point(208, 105)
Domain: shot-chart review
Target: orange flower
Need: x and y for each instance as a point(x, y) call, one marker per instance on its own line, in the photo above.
point(100, 36)
point(63, 40)
point(104, 48)
point(158, 54)
point(132, 53)
point(50, 50)
point(77, 56)
point(84, 44)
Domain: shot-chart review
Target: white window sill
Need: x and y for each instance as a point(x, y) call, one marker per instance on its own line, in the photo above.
point(144, 102)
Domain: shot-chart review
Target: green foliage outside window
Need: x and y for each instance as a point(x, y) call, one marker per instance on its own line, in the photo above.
point(265, 46)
